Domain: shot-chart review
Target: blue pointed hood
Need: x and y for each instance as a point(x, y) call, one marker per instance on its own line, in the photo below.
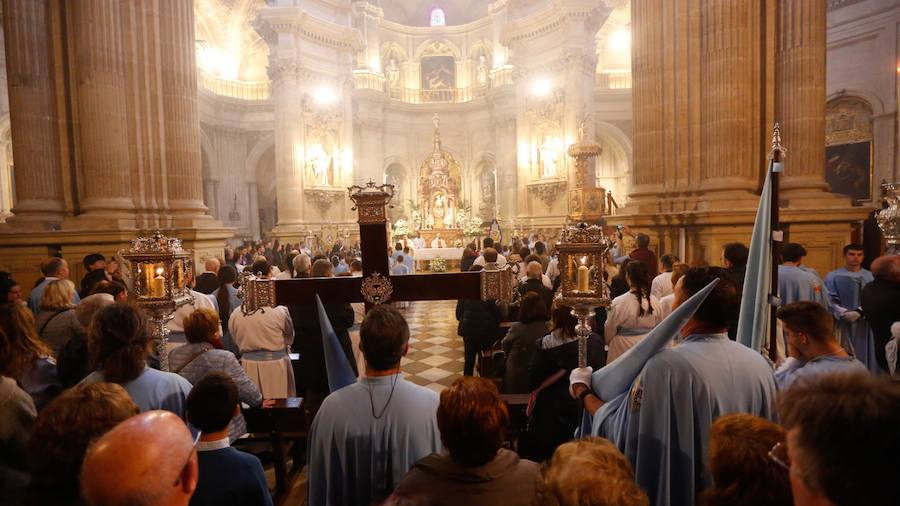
point(616, 377)
point(340, 374)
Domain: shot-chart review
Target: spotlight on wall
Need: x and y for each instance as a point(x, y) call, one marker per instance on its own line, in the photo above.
point(541, 87)
point(324, 95)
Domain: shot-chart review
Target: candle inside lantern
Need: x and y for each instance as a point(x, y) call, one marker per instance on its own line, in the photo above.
point(159, 284)
point(583, 276)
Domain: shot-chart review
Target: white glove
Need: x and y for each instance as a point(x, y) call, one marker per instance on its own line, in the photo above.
point(851, 316)
point(580, 375)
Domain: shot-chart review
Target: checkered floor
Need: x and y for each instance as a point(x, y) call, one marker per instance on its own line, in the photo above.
point(435, 357)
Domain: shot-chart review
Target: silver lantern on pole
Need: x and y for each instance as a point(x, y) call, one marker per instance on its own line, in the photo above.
point(156, 271)
point(582, 251)
point(889, 218)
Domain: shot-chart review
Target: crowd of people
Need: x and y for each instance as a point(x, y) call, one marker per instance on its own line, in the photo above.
point(87, 417)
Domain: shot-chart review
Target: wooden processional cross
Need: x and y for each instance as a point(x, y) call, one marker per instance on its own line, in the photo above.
point(376, 285)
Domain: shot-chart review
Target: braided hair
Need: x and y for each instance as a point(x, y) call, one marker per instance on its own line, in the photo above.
point(638, 277)
point(119, 342)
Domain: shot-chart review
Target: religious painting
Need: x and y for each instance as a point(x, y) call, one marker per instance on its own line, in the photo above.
point(848, 169)
point(438, 72)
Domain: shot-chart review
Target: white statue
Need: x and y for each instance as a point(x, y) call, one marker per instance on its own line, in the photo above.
point(481, 72)
point(319, 161)
point(549, 154)
point(393, 74)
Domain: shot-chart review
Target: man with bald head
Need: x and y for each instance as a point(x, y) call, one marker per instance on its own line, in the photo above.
point(147, 460)
point(534, 282)
point(879, 302)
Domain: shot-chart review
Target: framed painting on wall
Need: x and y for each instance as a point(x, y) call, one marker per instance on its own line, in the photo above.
point(438, 72)
point(848, 169)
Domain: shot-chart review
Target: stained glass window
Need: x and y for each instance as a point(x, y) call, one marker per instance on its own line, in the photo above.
point(437, 17)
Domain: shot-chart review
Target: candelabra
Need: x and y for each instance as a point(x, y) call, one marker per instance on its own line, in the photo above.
point(582, 260)
point(889, 217)
point(156, 271)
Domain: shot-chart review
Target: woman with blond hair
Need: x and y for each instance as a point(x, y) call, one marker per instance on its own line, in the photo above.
point(589, 472)
point(24, 357)
point(56, 323)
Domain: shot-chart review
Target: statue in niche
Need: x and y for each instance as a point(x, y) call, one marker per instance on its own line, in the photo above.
point(319, 161)
point(481, 72)
point(548, 153)
point(438, 208)
point(393, 74)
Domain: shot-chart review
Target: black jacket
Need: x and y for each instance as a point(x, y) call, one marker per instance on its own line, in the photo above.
point(537, 286)
point(880, 302)
point(479, 320)
point(556, 415)
point(207, 283)
point(308, 342)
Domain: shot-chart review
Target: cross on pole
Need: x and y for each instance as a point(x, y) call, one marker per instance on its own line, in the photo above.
point(376, 285)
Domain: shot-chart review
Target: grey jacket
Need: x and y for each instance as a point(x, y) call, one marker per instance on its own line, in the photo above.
point(56, 329)
point(194, 361)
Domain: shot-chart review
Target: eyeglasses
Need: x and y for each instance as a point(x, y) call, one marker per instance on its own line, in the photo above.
point(778, 453)
point(188, 461)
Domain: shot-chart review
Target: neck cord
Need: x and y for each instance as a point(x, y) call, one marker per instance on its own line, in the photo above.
point(386, 404)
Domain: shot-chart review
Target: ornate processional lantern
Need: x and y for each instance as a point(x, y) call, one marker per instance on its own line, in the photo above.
point(582, 252)
point(156, 272)
point(889, 218)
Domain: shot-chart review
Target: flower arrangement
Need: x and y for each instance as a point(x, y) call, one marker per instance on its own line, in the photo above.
point(458, 243)
point(473, 227)
point(400, 229)
point(439, 265)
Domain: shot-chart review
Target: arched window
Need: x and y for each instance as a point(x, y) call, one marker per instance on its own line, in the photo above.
point(437, 17)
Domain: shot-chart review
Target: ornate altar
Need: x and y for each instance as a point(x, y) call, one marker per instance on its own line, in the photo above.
point(439, 187)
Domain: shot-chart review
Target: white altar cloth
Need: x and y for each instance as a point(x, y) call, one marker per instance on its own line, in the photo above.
point(432, 253)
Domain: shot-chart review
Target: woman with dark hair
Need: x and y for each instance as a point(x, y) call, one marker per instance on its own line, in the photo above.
point(520, 343)
point(468, 259)
point(119, 343)
point(24, 357)
point(633, 314)
point(10, 291)
point(555, 414)
point(226, 302)
point(619, 285)
point(476, 470)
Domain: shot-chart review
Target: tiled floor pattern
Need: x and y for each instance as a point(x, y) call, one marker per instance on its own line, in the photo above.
point(435, 357)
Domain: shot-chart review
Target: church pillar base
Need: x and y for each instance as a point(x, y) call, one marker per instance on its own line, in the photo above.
point(823, 231)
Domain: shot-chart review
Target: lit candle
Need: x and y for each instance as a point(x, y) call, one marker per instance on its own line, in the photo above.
point(159, 284)
point(583, 277)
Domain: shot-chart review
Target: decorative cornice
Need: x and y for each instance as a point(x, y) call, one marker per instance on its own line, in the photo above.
point(323, 198)
point(548, 192)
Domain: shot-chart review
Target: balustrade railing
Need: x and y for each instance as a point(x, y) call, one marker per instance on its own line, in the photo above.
point(614, 80)
point(258, 90)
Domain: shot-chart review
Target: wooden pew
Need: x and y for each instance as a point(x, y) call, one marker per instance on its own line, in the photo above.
point(518, 420)
point(284, 426)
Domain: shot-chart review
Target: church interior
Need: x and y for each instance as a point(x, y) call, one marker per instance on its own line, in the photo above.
point(394, 142)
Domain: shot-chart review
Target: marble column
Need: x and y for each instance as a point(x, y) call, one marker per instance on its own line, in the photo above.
point(289, 147)
point(34, 115)
point(253, 216)
point(800, 98)
point(99, 89)
point(179, 93)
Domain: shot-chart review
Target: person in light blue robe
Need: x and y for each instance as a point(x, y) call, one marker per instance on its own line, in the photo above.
point(845, 289)
point(368, 434)
point(812, 344)
point(662, 423)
